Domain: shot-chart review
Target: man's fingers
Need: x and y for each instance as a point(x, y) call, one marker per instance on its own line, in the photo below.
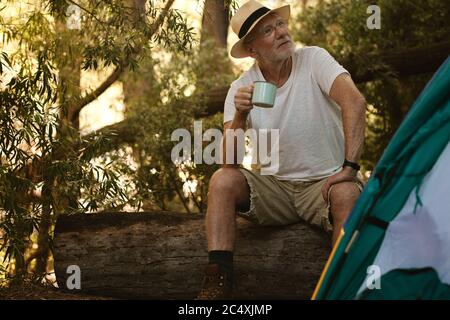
point(248, 90)
point(243, 95)
point(243, 98)
point(244, 107)
point(243, 101)
point(325, 188)
point(329, 184)
point(335, 179)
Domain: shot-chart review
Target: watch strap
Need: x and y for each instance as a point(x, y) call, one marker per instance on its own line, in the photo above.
point(353, 165)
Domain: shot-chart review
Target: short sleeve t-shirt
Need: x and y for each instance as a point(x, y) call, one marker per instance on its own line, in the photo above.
point(311, 138)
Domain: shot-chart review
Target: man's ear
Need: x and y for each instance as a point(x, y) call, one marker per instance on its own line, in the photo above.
point(252, 52)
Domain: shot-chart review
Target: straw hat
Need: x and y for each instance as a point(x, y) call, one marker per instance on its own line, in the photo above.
point(246, 18)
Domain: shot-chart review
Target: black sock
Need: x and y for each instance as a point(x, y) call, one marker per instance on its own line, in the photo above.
point(223, 258)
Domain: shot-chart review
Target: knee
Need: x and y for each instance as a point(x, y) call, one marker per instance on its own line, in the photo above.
point(225, 181)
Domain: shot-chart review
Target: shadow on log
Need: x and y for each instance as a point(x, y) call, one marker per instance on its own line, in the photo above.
point(160, 255)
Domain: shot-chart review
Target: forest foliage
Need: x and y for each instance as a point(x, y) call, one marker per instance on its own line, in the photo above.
point(49, 168)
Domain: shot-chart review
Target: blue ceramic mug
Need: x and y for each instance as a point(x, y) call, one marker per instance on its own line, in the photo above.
point(264, 94)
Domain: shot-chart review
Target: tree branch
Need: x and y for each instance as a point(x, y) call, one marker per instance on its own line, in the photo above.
point(114, 76)
point(97, 92)
point(181, 198)
point(87, 11)
point(161, 17)
point(405, 62)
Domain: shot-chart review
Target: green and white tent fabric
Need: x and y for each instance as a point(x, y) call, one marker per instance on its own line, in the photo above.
point(400, 225)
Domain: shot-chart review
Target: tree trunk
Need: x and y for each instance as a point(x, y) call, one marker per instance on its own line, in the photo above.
point(159, 255)
point(215, 22)
point(213, 53)
point(69, 72)
point(135, 84)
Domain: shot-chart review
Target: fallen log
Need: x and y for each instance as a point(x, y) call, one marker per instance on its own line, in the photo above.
point(162, 256)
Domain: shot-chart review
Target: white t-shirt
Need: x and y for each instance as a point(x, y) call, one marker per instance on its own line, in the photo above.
point(311, 138)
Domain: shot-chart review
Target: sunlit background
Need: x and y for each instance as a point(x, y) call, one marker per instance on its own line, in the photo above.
point(109, 108)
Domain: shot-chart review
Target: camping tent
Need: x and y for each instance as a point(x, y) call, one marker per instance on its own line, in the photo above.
point(395, 243)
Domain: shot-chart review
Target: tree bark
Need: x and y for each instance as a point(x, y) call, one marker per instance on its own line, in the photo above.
point(215, 22)
point(213, 53)
point(162, 256)
point(132, 84)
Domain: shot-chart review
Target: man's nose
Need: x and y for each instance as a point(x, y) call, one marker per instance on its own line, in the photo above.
point(281, 32)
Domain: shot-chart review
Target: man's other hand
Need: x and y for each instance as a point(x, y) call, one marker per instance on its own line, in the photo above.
point(347, 174)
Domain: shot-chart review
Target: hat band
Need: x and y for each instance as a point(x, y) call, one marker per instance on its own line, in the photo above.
point(252, 18)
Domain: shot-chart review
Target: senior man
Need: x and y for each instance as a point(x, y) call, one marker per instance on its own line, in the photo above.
point(320, 115)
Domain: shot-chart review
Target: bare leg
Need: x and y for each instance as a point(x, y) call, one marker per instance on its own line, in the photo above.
point(343, 197)
point(228, 190)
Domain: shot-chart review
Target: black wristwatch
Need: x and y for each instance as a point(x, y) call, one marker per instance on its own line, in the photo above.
point(353, 165)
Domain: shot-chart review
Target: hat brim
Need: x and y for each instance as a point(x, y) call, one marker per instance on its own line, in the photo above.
point(238, 50)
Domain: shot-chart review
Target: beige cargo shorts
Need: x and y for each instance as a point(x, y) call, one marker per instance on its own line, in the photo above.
point(282, 202)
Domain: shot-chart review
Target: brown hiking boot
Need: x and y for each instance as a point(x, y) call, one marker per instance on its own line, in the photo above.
point(216, 285)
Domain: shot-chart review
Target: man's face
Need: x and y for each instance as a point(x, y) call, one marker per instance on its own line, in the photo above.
point(271, 39)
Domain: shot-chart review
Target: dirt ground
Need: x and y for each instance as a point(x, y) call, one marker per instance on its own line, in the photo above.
point(43, 292)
